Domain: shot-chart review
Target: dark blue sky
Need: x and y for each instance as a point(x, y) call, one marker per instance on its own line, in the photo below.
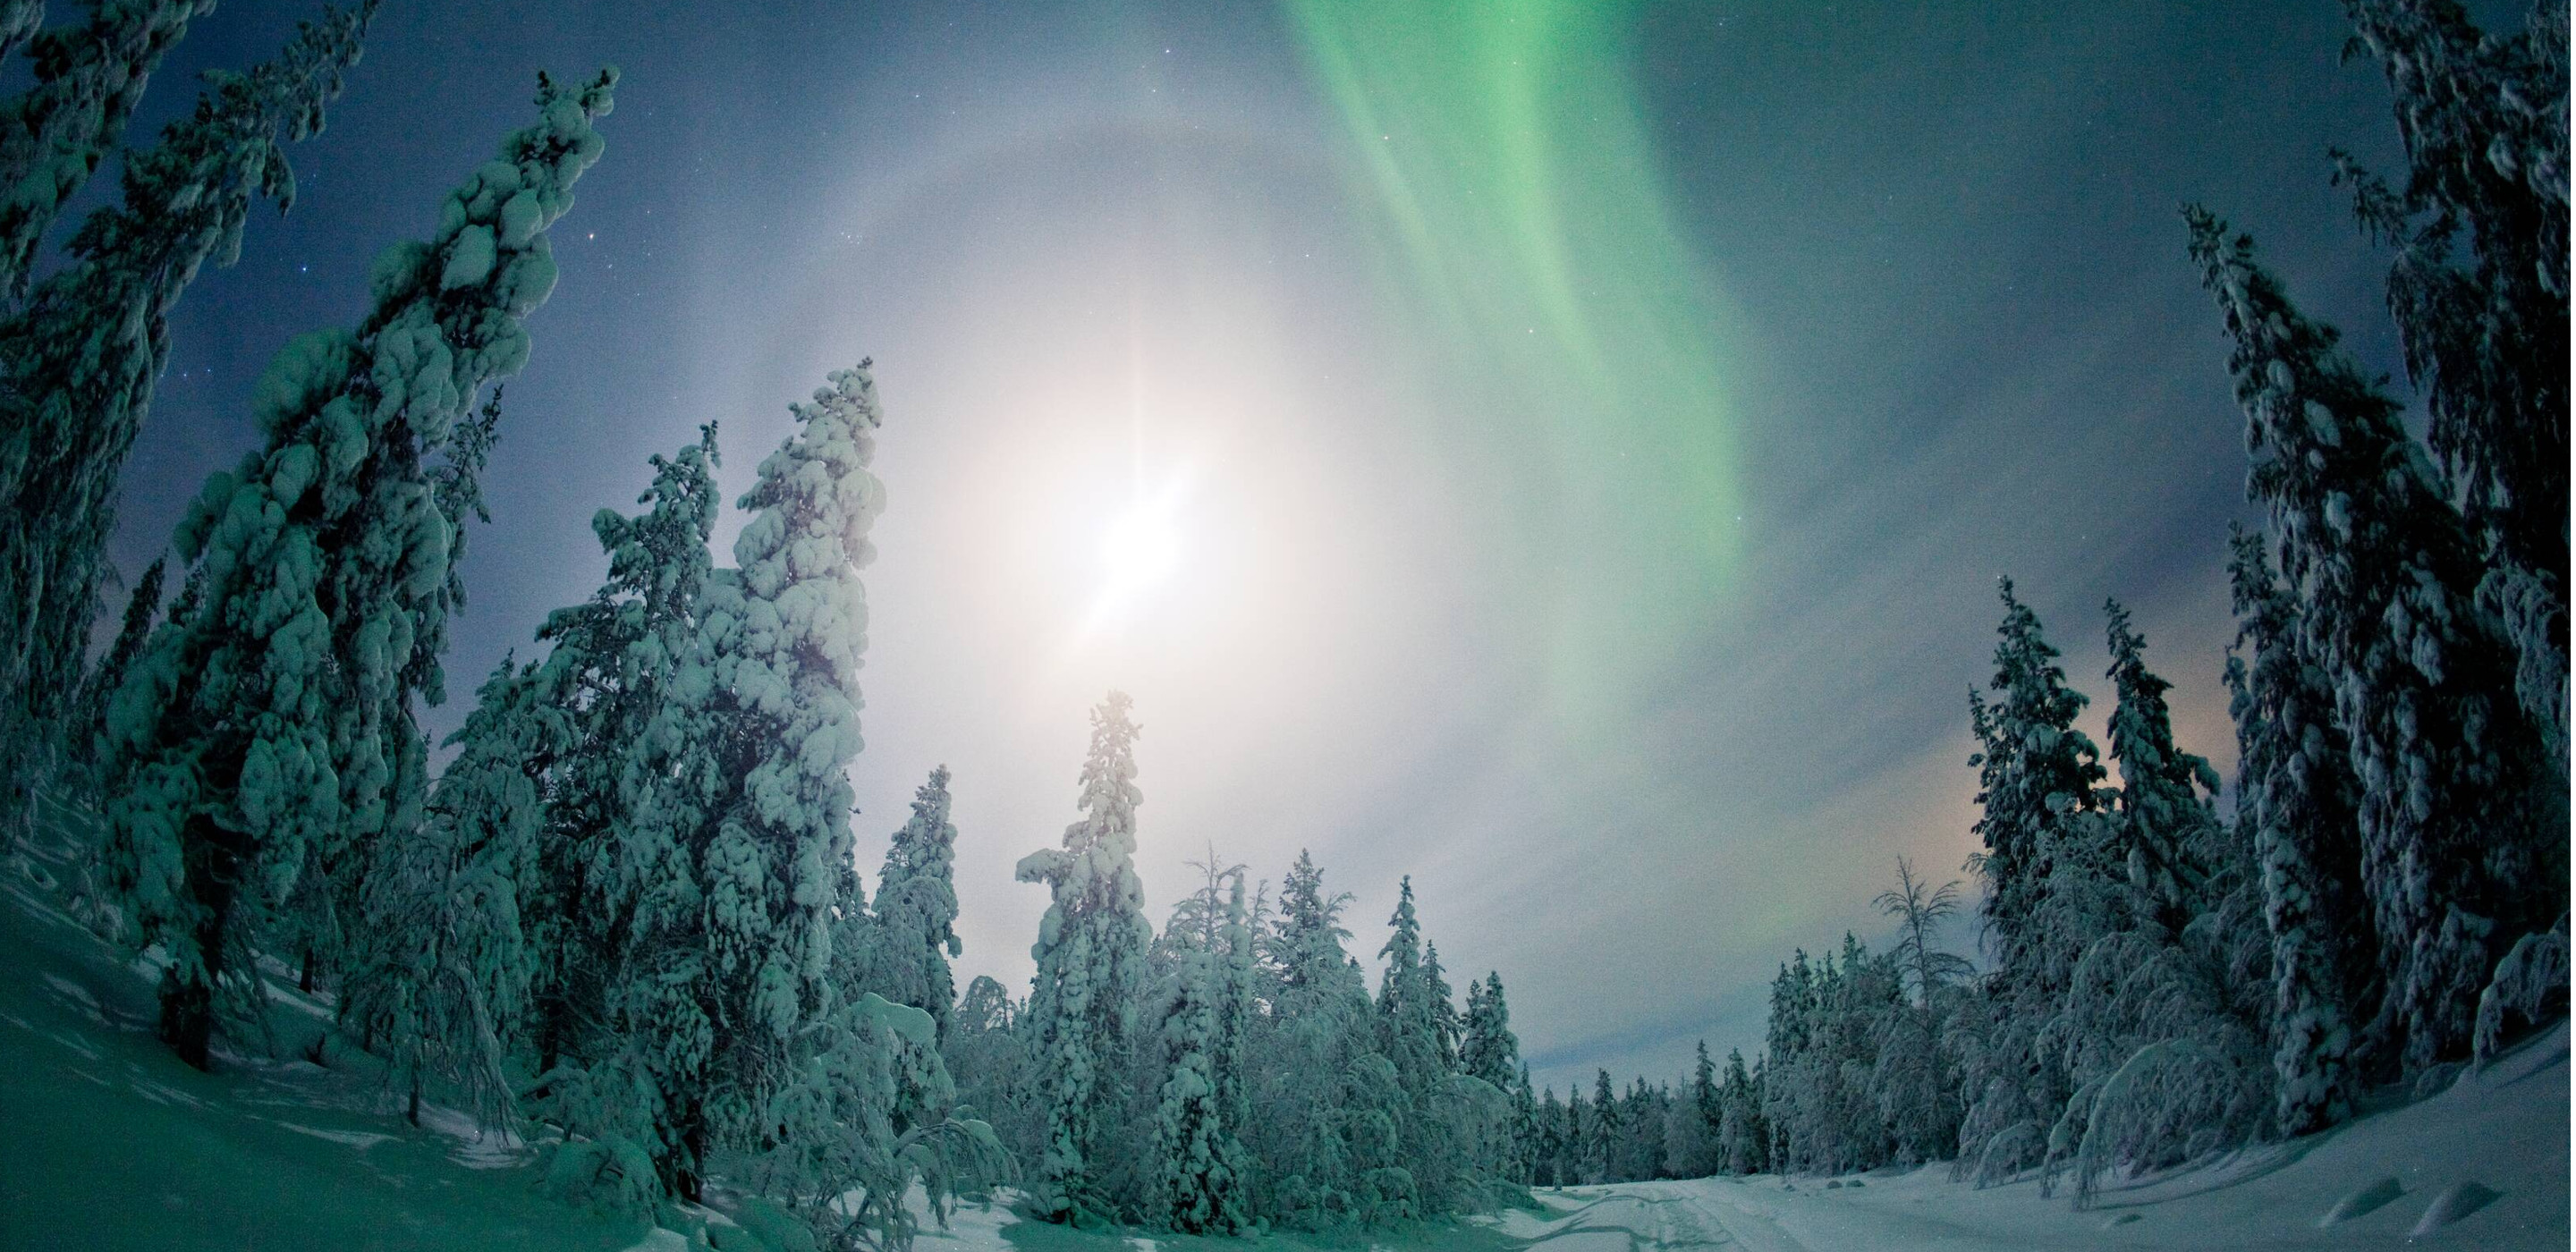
point(1929, 256)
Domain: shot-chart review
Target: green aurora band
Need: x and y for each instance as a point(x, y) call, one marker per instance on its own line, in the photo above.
point(1503, 145)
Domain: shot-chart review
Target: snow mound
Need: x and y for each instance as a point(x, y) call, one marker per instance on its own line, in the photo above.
point(2455, 1202)
point(2368, 1197)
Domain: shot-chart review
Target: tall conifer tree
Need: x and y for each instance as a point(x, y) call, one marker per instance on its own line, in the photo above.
point(2035, 772)
point(79, 359)
point(735, 855)
point(265, 731)
point(2479, 293)
point(2297, 802)
point(2460, 813)
point(916, 909)
point(1090, 957)
point(2165, 811)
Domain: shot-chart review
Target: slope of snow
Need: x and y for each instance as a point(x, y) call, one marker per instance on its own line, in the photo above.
point(2484, 1165)
point(108, 1142)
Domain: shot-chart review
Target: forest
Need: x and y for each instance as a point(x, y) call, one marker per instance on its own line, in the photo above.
point(619, 913)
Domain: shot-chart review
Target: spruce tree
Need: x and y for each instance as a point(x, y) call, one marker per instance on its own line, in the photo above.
point(1603, 1137)
point(2046, 852)
point(1691, 1123)
point(2297, 805)
point(2479, 294)
point(265, 732)
point(916, 909)
point(1574, 1138)
point(88, 78)
point(79, 359)
point(615, 666)
point(1742, 1137)
point(142, 606)
point(2460, 814)
point(1200, 1181)
point(2165, 809)
point(734, 858)
point(1548, 1169)
point(1090, 958)
point(1320, 1023)
point(1408, 1021)
point(2035, 771)
point(1526, 1130)
point(987, 1056)
point(443, 986)
point(1444, 1007)
point(1489, 1050)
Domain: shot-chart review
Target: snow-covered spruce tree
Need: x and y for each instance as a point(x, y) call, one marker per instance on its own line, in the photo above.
point(2162, 1025)
point(1525, 1131)
point(988, 1059)
point(442, 982)
point(613, 665)
point(1837, 1124)
point(1090, 958)
point(1375, 1116)
point(1320, 1023)
point(1547, 1167)
point(1649, 1112)
point(2037, 779)
point(2461, 815)
point(1572, 1138)
point(2165, 811)
point(450, 316)
point(142, 608)
point(1409, 1025)
point(730, 856)
point(916, 909)
point(1489, 1050)
point(2034, 771)
point(1409, 1036)
point(1454, 1128)
point(1444, 1006)
point(1199, 1183)
point(1691, 1123)
point(1490, 1053)
point(862, 1115)
point(1741, 1135)
point(2479, 294)
point(78, 360)
point(88, 78)
point(1602, 1132)
point(406, 929)
point(2296, 807)
point(235, 764)
point(1786, 1033)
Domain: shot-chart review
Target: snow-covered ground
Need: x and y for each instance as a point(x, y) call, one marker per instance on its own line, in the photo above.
point(106, 1142)
point(2483, 1165)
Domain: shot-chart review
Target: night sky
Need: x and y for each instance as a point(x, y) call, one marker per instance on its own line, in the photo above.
point(1590, 433)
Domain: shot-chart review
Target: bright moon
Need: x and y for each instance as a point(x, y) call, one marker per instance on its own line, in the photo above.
point(1140, 548)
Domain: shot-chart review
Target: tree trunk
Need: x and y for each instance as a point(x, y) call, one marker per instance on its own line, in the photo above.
point(685, 1182)
point(211, 855)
